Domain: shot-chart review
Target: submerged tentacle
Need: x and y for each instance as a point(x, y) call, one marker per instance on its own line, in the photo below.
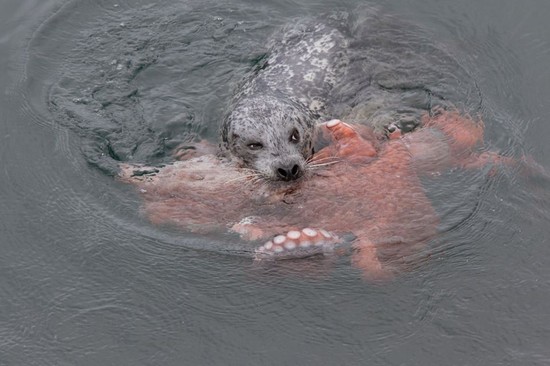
point(298, 244)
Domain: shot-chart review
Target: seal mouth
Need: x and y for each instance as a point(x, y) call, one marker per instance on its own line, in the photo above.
point(286, 191)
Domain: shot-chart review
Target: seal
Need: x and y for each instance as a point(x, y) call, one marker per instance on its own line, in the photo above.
point(365, 67)
point(271, 124)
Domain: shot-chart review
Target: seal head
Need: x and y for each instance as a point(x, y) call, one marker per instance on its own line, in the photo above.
point(271, 135)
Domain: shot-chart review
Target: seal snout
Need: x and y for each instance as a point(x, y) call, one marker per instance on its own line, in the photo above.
point(288, 172)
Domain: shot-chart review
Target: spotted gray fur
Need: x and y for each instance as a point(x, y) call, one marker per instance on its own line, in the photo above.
point(271, 124)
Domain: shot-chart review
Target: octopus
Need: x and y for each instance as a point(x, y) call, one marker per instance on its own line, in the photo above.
point(361, 191)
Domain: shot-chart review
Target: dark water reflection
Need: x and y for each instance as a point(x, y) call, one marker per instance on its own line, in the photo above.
point(85, 280)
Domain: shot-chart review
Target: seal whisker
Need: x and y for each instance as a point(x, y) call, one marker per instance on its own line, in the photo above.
point(258, 178)
point(249, 170)
point(246, 177)
point(322, 164)
point(314, 160)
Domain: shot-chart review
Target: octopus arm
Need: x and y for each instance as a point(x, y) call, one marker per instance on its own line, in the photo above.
point(298, 244)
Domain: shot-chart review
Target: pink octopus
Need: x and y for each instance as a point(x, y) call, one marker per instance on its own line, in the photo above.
point(360, 184)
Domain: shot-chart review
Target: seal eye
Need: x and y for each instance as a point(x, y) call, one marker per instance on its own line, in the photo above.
point(255, 146)
point(294, 136)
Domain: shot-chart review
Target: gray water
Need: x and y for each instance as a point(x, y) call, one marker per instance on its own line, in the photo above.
point(85, 279)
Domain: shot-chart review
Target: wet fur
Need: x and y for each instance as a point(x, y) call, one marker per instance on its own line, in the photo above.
point(287, 92)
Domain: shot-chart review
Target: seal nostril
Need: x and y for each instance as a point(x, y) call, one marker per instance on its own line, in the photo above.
point(288, 174)
point(283, 174)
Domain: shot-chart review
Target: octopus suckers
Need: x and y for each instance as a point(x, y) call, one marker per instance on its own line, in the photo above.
point(293, 234)
point(305, 244)
point(333, 123)
point(325, 233)
point(279, 239)
point(310, 232)
point(290, 245)
point(278, 249)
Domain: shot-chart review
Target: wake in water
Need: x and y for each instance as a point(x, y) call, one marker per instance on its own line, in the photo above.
point(141, 82)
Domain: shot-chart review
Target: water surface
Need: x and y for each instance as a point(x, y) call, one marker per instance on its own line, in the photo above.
point(87, 280)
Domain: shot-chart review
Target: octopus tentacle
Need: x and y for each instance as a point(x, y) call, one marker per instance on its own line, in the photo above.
point(347, 142)
point(366, 259)
point(298, 244)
